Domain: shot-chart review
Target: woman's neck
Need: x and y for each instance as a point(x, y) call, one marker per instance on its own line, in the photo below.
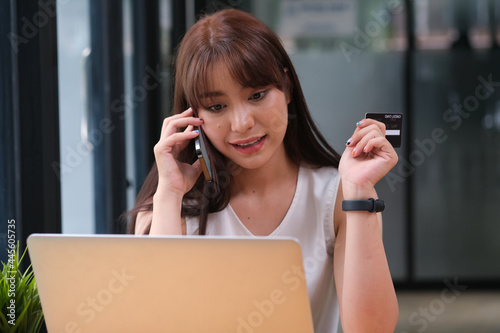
point(278, 171)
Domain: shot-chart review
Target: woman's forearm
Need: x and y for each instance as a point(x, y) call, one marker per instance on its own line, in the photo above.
point(166, 214)
point(368, 298)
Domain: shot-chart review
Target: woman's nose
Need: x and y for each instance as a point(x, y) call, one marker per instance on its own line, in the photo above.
point(242, 119)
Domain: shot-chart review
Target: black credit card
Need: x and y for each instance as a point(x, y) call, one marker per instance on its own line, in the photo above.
point(393, 124)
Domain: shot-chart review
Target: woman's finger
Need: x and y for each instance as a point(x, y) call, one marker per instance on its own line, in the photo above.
point(359, 147)
point(362, 132)
point(174, 143)
point(175, 125)
point(367, 122)
point(379, 142)
point(192, 134)
point(172, 124)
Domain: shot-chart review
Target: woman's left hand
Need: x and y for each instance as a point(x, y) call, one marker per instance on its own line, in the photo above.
point(367, 158)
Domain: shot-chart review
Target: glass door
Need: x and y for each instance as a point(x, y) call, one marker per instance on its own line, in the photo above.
point(113, 79)
point(73, 25)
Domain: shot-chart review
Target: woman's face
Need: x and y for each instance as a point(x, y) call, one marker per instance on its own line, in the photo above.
point(247, 125)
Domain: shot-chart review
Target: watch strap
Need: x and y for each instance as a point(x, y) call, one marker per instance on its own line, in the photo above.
point(371, 205)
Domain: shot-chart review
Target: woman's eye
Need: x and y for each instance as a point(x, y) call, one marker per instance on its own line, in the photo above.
point(215, 108)
point(258, 95)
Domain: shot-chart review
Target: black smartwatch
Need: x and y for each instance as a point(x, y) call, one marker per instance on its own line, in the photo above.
point(371, 205)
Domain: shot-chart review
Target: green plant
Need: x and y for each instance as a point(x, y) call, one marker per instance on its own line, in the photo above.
point(20, 307)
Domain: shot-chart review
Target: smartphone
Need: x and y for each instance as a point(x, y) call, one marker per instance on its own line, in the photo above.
point(393, 124)
point(201, 152)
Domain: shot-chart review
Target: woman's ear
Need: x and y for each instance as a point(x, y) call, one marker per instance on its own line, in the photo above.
point(288, 87)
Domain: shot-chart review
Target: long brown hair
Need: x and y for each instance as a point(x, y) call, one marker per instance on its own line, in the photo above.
point(255, 57)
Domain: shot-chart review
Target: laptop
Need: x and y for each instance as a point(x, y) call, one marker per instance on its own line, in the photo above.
point(125, 283)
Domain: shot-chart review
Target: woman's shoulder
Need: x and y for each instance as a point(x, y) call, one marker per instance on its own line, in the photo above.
point(320, 182)
point(324, 172)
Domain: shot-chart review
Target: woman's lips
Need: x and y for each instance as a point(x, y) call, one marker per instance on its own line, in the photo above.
point(249, 146)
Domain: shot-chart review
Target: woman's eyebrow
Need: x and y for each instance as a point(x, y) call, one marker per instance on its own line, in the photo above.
point(212, 94)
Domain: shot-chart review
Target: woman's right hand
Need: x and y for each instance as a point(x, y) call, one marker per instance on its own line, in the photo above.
point(176, 177)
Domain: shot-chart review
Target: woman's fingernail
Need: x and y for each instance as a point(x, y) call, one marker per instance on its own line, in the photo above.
point(359, 123)
point(353, 152)
point(365, 150)
point(196, 131)
point(348, 142)
point(200, 119)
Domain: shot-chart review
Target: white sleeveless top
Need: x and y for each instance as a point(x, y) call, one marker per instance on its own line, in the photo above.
point(310, 220)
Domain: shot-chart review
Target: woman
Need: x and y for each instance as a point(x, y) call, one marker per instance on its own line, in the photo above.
point(274, 173)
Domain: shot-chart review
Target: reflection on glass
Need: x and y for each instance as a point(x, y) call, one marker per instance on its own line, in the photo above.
point(457, 184)
point(441, 24)
point(345, 25)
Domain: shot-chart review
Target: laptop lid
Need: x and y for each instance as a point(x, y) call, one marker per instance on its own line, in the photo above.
point(123, 283)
